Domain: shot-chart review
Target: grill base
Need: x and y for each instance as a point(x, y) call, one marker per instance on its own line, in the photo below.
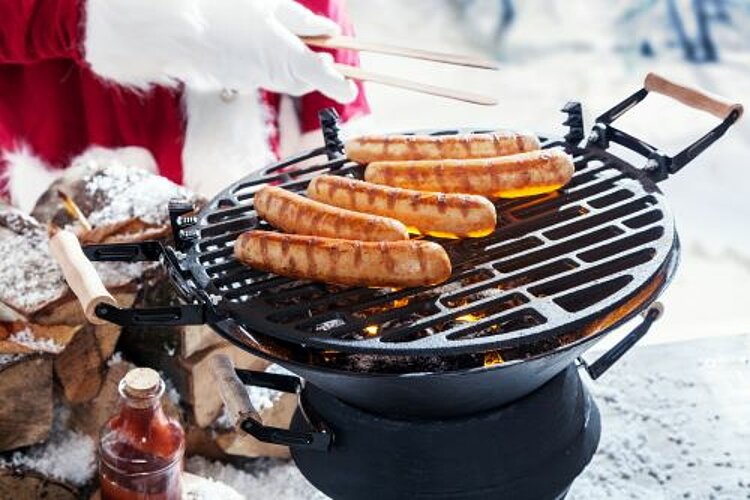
point(533, 448)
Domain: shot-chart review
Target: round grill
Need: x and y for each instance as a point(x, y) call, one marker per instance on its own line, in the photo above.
point(557, 263)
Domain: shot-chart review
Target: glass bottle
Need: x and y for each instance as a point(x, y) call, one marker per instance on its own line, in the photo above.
point(140, 448)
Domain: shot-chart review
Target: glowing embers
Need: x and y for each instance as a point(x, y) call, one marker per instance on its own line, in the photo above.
point(481, 317)
point(519, 320)
point(492, 358)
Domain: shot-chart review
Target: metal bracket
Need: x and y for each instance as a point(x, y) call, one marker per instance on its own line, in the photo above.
point(329, 125)
point(609, 358)
point(319, 440)
point(659, 165)
point(150, 251)
point(181, 223)
point(143, 251)
point(188, 314)
point(574, 122)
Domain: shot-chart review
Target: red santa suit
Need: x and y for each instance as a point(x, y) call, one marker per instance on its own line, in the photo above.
point(55, 102)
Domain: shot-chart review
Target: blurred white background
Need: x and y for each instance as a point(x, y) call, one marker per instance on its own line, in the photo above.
point(551, 52)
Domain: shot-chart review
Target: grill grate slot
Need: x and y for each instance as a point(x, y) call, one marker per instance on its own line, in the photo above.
point(589, 296)
point(622, 245)
point(611, 198)
point(560, 200)
point(477, 315)
point(601, 218)
point(591, 274)
point(505, 325)
point(229, 213)
point(501, 286)
point(644, 220)
point(227, 229)
point(560, 249)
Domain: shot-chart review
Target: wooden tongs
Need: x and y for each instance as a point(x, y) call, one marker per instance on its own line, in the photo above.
point(356, 73)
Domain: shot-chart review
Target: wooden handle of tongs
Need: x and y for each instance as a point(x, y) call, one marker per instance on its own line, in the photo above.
point(695, 98)
point(232, 390)
point(356, 73)
point(347, 42)
point(80, 273)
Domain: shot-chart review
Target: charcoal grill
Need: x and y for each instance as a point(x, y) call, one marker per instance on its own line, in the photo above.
point(561, 271)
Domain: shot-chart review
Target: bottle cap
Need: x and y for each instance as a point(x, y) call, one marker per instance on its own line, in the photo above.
point(142, 383)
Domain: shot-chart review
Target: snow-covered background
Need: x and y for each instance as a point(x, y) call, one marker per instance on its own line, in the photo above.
point(560, 50)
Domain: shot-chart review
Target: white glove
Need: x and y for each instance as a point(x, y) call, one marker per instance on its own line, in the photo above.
point(212, 45)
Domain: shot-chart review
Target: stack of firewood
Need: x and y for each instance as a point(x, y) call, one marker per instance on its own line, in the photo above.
point(50, 354)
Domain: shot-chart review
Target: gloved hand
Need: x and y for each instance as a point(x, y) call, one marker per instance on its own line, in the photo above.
point(212, 44)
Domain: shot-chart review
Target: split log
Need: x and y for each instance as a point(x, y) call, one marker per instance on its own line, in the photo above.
point(32, 287)
point(241, 444)
point(25, 338)
point(28, 485)
point(80, 367)
point(26, 395)
point(89, 417)
point(121, 202)
point(202, 441)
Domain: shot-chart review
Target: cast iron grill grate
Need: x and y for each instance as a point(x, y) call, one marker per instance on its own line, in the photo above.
point(556, 262)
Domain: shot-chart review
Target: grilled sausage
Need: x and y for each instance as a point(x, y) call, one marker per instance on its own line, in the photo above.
point(371, 148)
point(345, 262)
point(436, 214)
point(523, 174)
point(293, 213)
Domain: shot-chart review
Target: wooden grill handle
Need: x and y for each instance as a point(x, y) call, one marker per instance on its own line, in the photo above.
point(232, 390)
point(80, 274)
point(695, 98)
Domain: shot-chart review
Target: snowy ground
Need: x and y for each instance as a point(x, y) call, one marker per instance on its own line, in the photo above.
point(675, 424)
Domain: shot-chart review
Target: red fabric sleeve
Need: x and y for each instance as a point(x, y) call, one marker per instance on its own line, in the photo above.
point(310, 104)
point(35, 30)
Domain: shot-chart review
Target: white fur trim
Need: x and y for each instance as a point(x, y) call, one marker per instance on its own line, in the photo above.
point(224, 141)
point(130, 156)
point(28, 177)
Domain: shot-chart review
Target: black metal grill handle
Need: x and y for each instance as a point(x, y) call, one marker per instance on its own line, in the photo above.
point(243, 415)
point(609, 358)
point(660, 165)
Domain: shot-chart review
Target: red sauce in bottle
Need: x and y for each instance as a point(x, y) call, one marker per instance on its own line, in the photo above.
point(141, 449)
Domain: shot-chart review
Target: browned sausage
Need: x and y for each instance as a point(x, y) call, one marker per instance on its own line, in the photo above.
point(293, 213)
point(345, 262)
point(523, 174)
point(437, 214)
point(371, 148)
